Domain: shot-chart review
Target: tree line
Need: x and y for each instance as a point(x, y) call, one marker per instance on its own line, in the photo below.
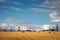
point(29, 29)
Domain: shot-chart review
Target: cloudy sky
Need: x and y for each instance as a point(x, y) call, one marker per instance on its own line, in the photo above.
point(29, 12)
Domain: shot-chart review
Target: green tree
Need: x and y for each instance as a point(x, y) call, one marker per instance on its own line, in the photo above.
point(57, 27)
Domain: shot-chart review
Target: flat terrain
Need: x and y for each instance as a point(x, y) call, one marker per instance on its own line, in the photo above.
point(29, 36)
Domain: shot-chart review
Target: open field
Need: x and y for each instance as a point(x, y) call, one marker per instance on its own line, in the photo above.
point(29, 36)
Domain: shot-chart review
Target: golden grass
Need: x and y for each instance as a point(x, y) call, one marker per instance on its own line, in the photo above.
point(29, 36)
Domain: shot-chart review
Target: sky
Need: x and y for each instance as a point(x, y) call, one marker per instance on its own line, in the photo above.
point(26, 13)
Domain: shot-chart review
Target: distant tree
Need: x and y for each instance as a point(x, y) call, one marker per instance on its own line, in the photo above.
point(11, 30)
point(29, 29)
point(49, 29)
point(57, 27)
point(34, 29)
point(18, 29)
point(0, 28)
point(4, 30)
point(52, 29)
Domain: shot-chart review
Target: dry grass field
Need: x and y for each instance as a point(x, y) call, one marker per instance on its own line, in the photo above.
point(29, 36)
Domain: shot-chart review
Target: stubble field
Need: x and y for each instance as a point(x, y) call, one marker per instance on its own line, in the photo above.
point(29, 36)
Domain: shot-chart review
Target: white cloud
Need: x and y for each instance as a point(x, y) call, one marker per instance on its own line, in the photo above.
point(54, 6)
point(37, 10)
point(8, 26)
point(55, 20)
point(2, 0)
point(55, 15)
point(12, 24)
point(18, 3)
point(45, 27)
point(51, 4)
point(15, 21)
point(23, 28)
point(12, 8)
point(3, 25)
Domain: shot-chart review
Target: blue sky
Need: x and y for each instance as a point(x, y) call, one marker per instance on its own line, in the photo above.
point(29, 12)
